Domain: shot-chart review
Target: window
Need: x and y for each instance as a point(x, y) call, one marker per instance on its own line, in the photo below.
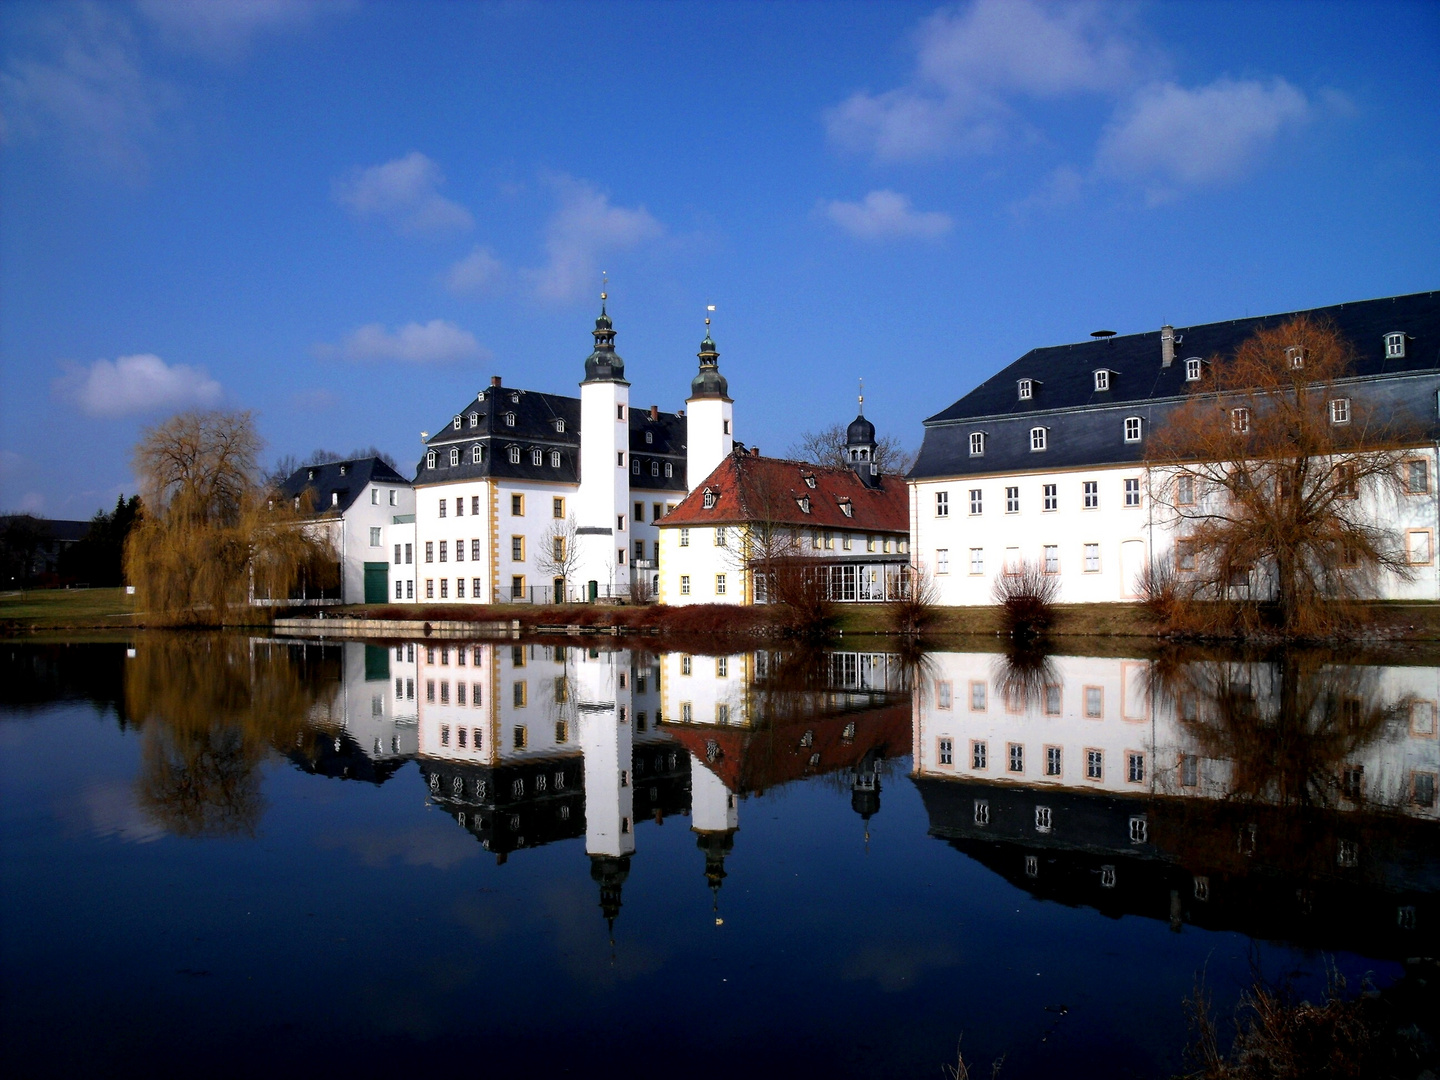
point(392, 496)
point(1052, 558)
point(977, 697)
point(634, 466)
point(1422, 719)
point(942, 560)
point(1094, 764)
point(1417, 477)
point(639, 511)
point(1094, 702)
point(1042, 819)
point(1092, 558)
point(560, 426)
point(460, 593)
point(1185, 490)
point(1132, 491)
point(1017, 757)
point(725, 427)
point(1394, 346)
point(685, 664)
point(444, 588)
point(374, 496)
point(619, 412)
point(430, 459)
point(454, 455)
point(1092, 494)
point(722, 666)
point(947, 752)
point(429, 588)
point(1132, 429)
point(397, 554)
point(977, 560)
point(557, 548)
point(649, 438)
point(720, 537)
point(684, 537)
point(1346, 486)
point(1192, 369)
point(1422, 789)
point(982, 811)
point(475, 591)
point(1012, 500)
point(1026, 389)
point(475, 504)
point(1135, 767)
point(1418, 547)
point(514, 455)
point(443, 546)
point(620, 556)
point(1052, 761)
point(375, 540)
point(942, 694)
point(517, 505)
point(1296, 355)
point(977, 444)
point(1037, 438)
point(942, 504)
point(669, 469)
point(410, 589)
point(976, 501)
point(639, 549)
point(1051, 498)
point(709, 500)
point(509, 419)
point(517, 549)
point(1189, 770)
point(1185, 555)
point(1107, 876)
point(1102, 379)
point(397, 589)
point(979, 754)
point(475, 550)
point(684, 584)
point(456, 423)
point(1240, 421)
point(1340, 410)
point(429, 551)
point(719, 584)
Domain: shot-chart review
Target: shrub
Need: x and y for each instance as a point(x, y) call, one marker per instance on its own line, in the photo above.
point(1026, 596)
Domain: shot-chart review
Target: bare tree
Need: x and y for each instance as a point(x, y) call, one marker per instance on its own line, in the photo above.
point(827, 447)
point(559, 554)
point(1272, 475)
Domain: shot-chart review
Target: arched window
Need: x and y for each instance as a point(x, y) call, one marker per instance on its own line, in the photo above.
point(1395, 346)
point(635, 466)
point(1038, 438)
point(537, 457)
point(669, 469)
point(560, 426)
point(554, 459)
point(709, 499)
point(474, 419)
point(1192, 369)
point(649, 438)
point(514, 455)
point(477, 454)
point(1026, 389)
point(654, 468)
point(456, 425)
point(509, 419)
point(454, 455)
point(1132, 429)
point(430, 459)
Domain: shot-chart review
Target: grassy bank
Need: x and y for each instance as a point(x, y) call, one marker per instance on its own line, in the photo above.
point(39, 609)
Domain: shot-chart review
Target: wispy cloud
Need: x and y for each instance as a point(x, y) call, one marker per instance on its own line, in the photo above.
point(78, 82)
point(225, 29)
point(403, 193)
point(1170, 137)
point(971, 63)
point(478, 272)
point(435, 342)
point(887, 215)
point(584, 228)
point(136, 384)
point(1062, 187)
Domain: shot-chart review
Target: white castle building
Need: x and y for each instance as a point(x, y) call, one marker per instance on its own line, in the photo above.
point(537, 497)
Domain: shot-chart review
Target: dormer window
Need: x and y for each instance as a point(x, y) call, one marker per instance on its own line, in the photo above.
point(1102, 379)
point(334, 498)
point(509, 419)
point(429, 460)
point(554, 459)
point(1239, 421)
point(1039, 438)
point(669, 469)
point(1340, 410)
point(454, 455)
point(810, 481)
point(804, 502)
point(477, 454)
point(1192, 369)
point(1132, 429)
point(709, 500)
point(514, 455)
point(1296, 357)
point(514, 398)
point(649, 438)
point(847, 508)
point(654, 468)
point(311, 474)
point(1395, 346)
point(1027, 389)
point(344, 469)
point(977, 444)
point(456, 424)
point(537, 457)
point(474, 419)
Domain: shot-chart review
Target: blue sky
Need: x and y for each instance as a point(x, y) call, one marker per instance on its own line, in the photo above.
point(348, 216)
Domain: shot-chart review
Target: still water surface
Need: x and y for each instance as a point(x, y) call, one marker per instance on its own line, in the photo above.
point(230, 855)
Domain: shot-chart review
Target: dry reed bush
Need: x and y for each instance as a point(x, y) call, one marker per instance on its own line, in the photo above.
point(208, 533)
point(210, 709)
point(1026, 595)
point(1270, 496)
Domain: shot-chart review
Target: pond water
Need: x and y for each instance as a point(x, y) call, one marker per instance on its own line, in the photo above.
point(237, 854)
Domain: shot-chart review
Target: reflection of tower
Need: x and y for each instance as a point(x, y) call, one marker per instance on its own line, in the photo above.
point(604, 698)
point(714, 816)
point(865, 789)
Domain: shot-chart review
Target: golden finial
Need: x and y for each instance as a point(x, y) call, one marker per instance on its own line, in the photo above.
point(862, 397)
point(708, 308)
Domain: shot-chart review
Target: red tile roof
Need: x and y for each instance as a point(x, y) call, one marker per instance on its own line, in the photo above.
point(752, 488)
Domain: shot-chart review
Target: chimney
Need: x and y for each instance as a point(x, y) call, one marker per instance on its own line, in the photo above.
point(495, 380)
point(654, 412)
point(754, 451)
point(1167, 345)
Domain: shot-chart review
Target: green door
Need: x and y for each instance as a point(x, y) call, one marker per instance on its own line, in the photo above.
point(377, 582)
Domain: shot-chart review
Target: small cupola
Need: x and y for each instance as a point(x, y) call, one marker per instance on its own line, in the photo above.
point(708, 382)
point(604, 363)
point(860, 446)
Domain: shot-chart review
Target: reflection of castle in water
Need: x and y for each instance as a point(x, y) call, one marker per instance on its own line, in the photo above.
point(1290, 799)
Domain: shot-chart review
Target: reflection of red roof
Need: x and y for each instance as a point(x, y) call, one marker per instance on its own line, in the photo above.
point(752, 488)
point(758, 759)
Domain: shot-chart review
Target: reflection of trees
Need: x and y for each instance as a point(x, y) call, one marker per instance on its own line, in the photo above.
point(1023, 674)
point(210, 708)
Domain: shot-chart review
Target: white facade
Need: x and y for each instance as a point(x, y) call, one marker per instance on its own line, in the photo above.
point(603, 501)
point(366, 530)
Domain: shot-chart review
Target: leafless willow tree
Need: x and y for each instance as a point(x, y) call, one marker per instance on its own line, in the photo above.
point(209, 532)
point(1272, 474)
point(827, 447)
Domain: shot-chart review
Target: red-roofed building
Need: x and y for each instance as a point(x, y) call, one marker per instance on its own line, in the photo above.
point(847, 526)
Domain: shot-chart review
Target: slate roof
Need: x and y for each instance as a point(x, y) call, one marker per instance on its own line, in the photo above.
point(753, 488)
point(1086, 425)
point(667, 434)
point(345, 478)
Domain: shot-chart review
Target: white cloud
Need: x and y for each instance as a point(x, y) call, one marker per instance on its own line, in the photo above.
point(136, 384)
point(404, 194)
point(435, 342)
point(83, 86)
point(886, 215)
point(1170, 136)
point(475, 273)
point(970, 62)
point(1063, 187)
point(223, 29)
point(584, 228)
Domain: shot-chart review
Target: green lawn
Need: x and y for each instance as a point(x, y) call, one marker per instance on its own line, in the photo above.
point(66, 607)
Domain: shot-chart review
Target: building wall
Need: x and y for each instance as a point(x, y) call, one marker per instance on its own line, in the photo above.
point(354, 538)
